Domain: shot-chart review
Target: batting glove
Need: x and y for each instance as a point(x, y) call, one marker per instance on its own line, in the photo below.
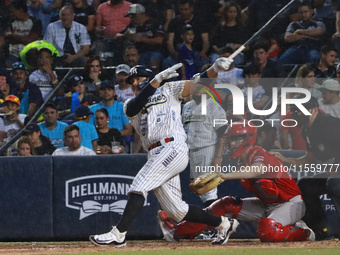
point(222, 64)
point(168, 73)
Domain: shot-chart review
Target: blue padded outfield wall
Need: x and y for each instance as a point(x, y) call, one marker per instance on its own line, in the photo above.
point(46, 198)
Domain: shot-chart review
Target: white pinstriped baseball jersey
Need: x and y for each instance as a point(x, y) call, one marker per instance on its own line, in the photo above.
point(199, 128)
point(161, 116)
point(160, 119)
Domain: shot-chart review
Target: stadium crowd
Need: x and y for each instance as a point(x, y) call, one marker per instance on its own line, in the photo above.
point(102, 40)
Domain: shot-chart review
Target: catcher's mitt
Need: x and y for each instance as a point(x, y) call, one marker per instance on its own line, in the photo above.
point(205, 183)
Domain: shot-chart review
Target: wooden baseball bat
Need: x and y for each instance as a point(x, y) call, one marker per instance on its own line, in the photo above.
point(260, 31)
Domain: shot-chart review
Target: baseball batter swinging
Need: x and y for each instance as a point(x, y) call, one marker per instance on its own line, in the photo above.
point(155, 113)
point(278, 206)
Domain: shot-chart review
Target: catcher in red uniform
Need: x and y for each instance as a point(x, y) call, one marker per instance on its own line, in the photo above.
point(277, 206)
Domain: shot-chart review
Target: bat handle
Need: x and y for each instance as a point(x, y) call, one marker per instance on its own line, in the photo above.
point(241, 48)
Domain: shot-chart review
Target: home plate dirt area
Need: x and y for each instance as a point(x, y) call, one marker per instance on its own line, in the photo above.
point(43, 248)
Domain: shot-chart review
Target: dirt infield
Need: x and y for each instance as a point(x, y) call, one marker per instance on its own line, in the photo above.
point(79, 247)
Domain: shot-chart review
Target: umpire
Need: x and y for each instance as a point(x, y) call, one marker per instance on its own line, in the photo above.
point(322, 134)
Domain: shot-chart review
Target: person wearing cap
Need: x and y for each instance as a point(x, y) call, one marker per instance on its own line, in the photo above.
point(44, 76)
point(186, 54)
point(13, 121)
point(147, 34)
point(29, 94)
point(74, 148)
point(87, 131)
point(51, 127)
point(76, 96)
point(23, 30)
point(123, 89)
point(322, 135)
point(69, 37)
point(41, 144)
point(330, 102)
point(117, 119)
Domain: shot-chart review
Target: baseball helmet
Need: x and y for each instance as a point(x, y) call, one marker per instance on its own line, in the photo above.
point(236, 131)
point(140, 71)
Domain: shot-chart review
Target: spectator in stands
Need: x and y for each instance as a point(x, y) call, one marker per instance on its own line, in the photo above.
point(162, 10)
point(269, 68)
point(51, 127)
point(13, 120)
point(131, 56)
point(305, 78)
point(258, 12)
point(266, 137)
point(304, 36)
point(111, 20)
point(85, 15)
point(87, 131)
point(77, 96)
point(325, 68)
point(28, 92)
point(252, 73)
point(117, 119)
point(5, 21)
point(2, 131)
point(4, 91)
point(330, 102)
point(45, 77)
point(72, 139)
point(106, 134)
point(111, 15)
point(46, 11)
point(210, 11)
point(201, 43)
point(338, 71)
point(324, 11)
point(123, 89)
point(25, 147)
point(147, 34)
point(233, 75)
point(41, 144)
point(69, 37)
point(93, 74)
point(336, 35)
point(23, 30)
point(229, 32)
point(185, 53)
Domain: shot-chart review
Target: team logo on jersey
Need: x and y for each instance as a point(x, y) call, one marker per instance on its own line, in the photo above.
point(159, 99)
point(170, 158)
point(98, 194)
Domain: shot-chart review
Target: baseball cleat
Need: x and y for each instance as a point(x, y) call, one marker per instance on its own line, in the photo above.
point(167, 226)
point(113, 237)
point(308, 231)
point(207, 235)
point(224, 230)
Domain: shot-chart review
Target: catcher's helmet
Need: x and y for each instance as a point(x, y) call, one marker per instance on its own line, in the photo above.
point(240, 130)
point(140, 71)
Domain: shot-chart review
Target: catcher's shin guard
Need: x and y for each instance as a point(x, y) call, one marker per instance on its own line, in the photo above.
point(228, 204)
point(270, 231)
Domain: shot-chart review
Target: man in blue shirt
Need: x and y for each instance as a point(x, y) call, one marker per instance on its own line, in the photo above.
point(117, 116)
point(51, 127)
point(87, 131)
point(28, 93)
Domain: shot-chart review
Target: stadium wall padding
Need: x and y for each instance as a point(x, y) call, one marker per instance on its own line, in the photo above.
point(46, 198)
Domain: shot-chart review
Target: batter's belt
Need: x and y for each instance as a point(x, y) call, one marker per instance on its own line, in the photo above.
point(160, 143)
